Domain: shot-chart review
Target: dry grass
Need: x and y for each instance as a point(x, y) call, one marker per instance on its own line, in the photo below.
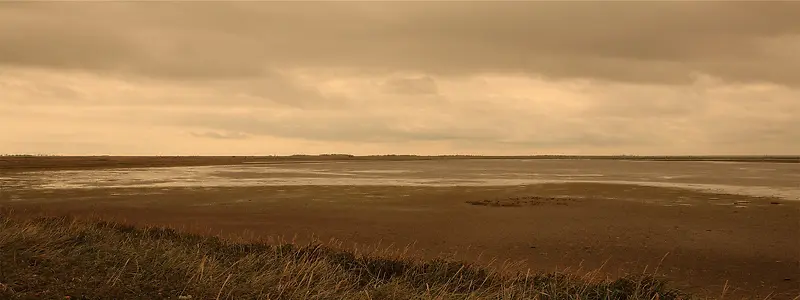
point(51, 258)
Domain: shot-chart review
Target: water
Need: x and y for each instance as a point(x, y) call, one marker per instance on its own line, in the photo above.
point(781, 180)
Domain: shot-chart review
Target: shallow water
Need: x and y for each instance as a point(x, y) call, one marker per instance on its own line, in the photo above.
point(780, 180)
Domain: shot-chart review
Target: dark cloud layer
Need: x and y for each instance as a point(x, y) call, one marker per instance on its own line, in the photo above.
point(654, 42)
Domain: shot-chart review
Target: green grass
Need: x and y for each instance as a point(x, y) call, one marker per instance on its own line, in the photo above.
point(51, 258)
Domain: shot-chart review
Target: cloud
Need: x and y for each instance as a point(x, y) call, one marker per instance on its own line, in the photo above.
point(414, 86)
point(503, 114)
point(650, 42)
point(72, 88)
point(220, 135)
point(400, 77)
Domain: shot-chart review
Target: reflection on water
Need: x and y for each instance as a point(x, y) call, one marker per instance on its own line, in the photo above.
point(754, 179)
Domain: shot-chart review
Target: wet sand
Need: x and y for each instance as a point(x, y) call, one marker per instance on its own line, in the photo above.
point(705, 238)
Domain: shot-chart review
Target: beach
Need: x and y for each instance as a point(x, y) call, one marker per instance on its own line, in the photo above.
point(706, 226)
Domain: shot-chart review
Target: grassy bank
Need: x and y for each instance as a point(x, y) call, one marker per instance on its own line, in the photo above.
point(51, 258)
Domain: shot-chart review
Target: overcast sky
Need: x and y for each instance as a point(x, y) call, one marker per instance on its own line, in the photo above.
point(258, 78)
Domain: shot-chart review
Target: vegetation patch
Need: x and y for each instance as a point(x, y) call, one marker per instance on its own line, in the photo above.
point(58, 258)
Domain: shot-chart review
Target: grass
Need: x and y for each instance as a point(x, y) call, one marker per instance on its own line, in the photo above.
point(52, 258)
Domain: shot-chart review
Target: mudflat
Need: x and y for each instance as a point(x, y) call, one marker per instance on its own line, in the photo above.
point(694, 223)
point(34, 163)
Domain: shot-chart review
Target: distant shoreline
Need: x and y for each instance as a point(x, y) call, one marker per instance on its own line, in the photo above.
point(42, 163)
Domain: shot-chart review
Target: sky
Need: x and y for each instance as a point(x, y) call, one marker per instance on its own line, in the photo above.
point(427, 78)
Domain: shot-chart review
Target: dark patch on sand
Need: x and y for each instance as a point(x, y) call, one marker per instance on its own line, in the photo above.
point(524, 201)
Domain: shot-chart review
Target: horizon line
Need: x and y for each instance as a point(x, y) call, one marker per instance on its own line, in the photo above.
point(343, 155)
